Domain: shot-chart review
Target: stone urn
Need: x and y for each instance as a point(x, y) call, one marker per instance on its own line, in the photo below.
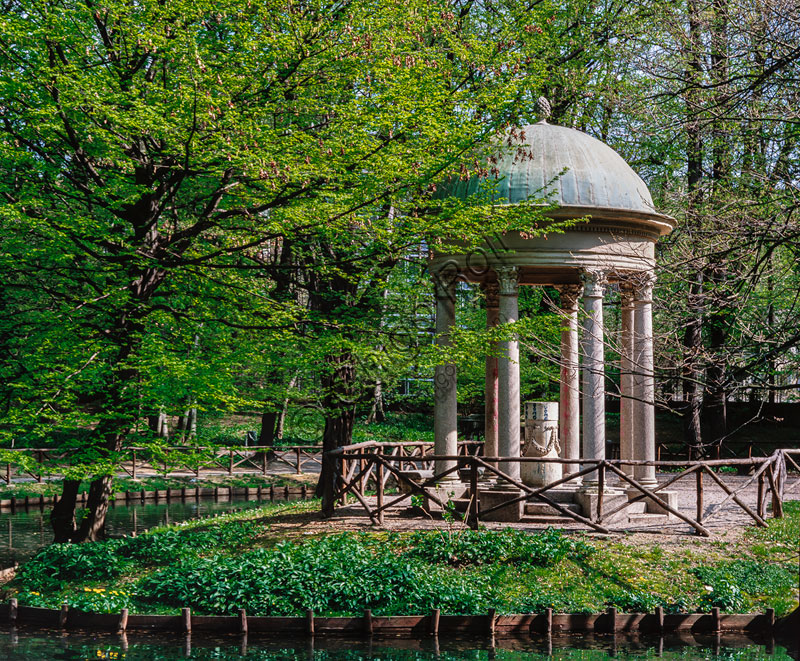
point(541, 440)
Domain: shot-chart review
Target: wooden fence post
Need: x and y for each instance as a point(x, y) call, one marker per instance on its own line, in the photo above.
point(230, 461)
point(472, 514)
point(122, 623)
point(379, 485)
point(435, 621)
point(777, 496)
point(601, 487)
point(761, 505)
point(310, 621)
point(298, 468)
point(699, 517)
point(133, 465)
point(186, 619)
point(343, 478)
point(368, 622)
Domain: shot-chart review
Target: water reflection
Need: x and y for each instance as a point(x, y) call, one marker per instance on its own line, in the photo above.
point(25, 531)
point(25, 646)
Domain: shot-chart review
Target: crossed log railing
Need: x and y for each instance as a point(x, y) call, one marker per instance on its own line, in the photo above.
point(366, 466)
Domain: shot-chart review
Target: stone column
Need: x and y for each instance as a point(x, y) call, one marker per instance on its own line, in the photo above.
point(593, 371)
point(569, 390)
point(490, 447)
point(508, 373)
point(626, 403)
point(445, 403)
point(643, 381)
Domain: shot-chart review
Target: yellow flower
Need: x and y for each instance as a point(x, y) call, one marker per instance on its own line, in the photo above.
point(87, 589)
point(36, 593)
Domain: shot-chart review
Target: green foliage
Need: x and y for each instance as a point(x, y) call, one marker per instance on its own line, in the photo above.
point(94, 600)
point(340, 573)
point(173, 544)
point(731, 586)
point(508, 546)
point(57, 564)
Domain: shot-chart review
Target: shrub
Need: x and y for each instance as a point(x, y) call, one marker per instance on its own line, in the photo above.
point(167, 545)
point(337, 574)
point(729, 584)
point(54, 565)
point(508, 546)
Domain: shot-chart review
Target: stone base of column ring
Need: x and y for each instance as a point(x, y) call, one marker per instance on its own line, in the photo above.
point(587, 498)
point(651, 506)
point(446, 491)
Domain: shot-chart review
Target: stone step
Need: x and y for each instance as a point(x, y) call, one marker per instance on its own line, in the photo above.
point(560, 496)
point(639, 507)
point(539, 508)
point(547, 519)
point(646, 519)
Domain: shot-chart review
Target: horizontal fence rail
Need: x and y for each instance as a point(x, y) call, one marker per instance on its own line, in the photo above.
point(368, 467)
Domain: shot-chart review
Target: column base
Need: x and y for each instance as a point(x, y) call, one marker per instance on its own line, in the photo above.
point(652, 507)
point(445, 491)
point(588, 497)
point(489, 498)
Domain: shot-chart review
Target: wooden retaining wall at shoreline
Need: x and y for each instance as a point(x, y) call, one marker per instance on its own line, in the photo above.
point(435, 623)
point(267, 492)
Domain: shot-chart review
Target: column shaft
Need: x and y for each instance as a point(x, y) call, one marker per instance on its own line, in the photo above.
point(490, 447)
point(569, 384)
point(626, 404)
point(508, 374)
point(445, 404)
point(643, 382)
point(594, 406)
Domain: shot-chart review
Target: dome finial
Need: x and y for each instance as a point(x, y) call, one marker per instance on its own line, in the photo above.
point(544, 108)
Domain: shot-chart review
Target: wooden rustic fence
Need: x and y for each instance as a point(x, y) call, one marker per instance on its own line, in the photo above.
point(367, 466)
point(41, 463)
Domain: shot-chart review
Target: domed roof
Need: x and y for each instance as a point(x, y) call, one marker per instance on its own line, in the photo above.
point(564, 166)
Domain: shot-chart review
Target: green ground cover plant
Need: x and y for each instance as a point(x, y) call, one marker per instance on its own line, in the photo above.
point(240, 561)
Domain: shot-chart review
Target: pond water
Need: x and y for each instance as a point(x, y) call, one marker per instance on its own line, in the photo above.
point(25, 531)
point(20, 645)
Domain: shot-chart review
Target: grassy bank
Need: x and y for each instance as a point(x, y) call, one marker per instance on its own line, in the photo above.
point(245, 561)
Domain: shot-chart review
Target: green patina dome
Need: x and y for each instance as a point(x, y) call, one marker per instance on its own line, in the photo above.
point(567, 167)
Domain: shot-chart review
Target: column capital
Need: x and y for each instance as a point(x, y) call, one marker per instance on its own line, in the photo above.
point(643, 283)
point(508, 280)
point(491, 290)
point(444, 281)
point(594, 282)
point(627, 292)
point(569, 296)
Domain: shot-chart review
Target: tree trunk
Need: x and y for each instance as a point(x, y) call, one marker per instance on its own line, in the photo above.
point(62, 516)
point(376, 413)
point(340, 414)
point(269, 421)
point(93, 525)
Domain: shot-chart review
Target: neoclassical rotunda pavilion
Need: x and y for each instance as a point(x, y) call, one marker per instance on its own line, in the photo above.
point(582, 177)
